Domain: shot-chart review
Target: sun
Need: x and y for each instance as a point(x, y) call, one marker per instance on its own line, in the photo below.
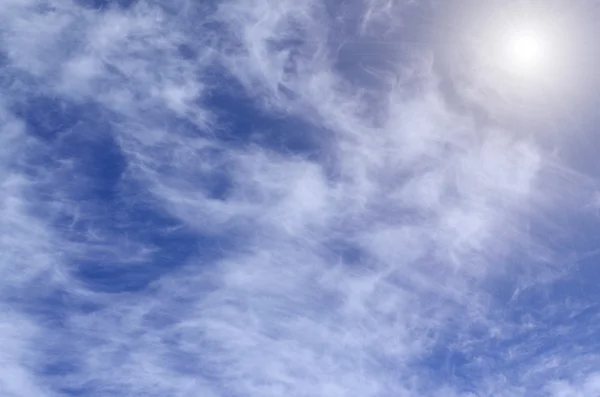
point(525, 50)
point(513, 60)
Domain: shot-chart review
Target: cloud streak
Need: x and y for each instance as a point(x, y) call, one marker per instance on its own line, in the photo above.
point(251, 198)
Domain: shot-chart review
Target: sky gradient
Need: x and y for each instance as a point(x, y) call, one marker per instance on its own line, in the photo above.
point(267, 198)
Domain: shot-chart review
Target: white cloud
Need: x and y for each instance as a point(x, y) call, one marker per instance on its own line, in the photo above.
point(588, 386)
point(27, 257)
point(427, 202)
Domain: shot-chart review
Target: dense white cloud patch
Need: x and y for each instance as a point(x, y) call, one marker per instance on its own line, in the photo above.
point(394, 256)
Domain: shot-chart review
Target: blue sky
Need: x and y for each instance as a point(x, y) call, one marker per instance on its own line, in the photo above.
point(244, 198)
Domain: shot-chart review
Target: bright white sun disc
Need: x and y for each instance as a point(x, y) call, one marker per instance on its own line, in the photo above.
point(524, 50)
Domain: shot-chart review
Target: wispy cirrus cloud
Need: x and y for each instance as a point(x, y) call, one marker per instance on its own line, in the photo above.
point(267, 198)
